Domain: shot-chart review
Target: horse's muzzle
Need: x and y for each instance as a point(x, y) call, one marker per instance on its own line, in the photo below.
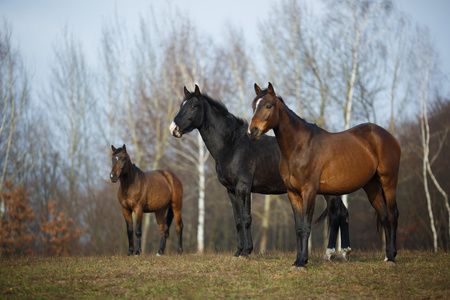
point(175, 130)
point(254, 133)
point(113, 177)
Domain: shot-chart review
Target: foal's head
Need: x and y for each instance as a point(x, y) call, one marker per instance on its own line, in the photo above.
point(265, 112)
point(190, 115)
point(120, 162)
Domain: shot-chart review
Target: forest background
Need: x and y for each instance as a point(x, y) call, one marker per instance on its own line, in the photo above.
point(352, 62)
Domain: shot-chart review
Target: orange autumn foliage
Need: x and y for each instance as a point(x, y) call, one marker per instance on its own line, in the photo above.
point(15, 234)
point(58, 232)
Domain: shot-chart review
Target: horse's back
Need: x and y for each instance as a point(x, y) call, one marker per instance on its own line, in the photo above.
point(382, 141)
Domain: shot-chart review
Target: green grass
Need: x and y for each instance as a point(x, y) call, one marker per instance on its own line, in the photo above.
point(418, 274)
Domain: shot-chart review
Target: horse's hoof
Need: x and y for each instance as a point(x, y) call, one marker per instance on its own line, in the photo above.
point(295, 268)
point(158, 254)
point(344, 254)
point(330, 254)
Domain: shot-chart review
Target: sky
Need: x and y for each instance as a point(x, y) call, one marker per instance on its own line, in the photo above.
point(36, 25)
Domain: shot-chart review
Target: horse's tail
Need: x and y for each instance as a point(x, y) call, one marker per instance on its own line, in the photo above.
point(322, 216)
point(335, 209)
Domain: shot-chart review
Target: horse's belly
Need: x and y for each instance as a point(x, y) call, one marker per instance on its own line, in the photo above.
point(157, 201)
point(342, 180)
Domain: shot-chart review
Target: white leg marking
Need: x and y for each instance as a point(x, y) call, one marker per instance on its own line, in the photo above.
point(344, 253)
point(330, 254)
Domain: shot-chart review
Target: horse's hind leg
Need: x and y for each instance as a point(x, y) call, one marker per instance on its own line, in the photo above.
point(333, 226)
point(337, 219)
point(376, 197)
point(389, 186)
point(344, 227)
point(176, 208)
point(163, 230)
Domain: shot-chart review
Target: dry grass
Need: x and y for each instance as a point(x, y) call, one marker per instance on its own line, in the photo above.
point(418, 274)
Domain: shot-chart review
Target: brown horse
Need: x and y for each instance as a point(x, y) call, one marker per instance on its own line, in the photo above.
point(140, 192)
point(314, 161)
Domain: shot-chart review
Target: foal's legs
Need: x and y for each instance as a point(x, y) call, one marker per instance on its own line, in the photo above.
point(129, 221)
point(237, 221)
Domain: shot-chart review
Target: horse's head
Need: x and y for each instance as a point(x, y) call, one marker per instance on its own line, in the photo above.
point(190, 115)
point(120, 162)
point(265, 112)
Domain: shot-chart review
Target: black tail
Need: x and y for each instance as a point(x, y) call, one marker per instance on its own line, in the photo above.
point(169, 218)
point(335, 209)
point(322, 217)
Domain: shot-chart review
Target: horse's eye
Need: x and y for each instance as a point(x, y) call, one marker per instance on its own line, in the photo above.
point(269, 106)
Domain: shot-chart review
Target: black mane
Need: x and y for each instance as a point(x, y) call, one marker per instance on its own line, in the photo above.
point(219, 106)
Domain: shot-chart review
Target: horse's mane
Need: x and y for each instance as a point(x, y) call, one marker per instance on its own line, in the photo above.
point(235, 125)
point(219, 106)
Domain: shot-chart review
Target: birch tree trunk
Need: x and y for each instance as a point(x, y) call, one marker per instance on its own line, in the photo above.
point(201, 195)
point(424, 54)
point(265, 224)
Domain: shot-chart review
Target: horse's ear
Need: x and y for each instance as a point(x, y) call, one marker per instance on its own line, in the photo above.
point(124, 148)
point(197, 90)
point(186, 90)
point(257, 89)
point(113, 148)
point(270, 89)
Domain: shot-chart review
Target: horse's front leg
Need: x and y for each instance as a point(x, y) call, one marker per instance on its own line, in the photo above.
point(237, 221)
point(139, 213)
point(129, 221)
point(243, 192)
point(303, 208)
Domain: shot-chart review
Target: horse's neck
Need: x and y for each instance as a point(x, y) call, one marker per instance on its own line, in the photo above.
point(292, 132)
point(130, 178)
point(214, 132)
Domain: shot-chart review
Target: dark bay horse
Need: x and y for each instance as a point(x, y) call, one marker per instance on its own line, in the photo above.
point(157, 191)
point(244, 166)
point(314, 161)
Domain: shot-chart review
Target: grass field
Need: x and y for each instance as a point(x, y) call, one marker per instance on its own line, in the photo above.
point(418, 274)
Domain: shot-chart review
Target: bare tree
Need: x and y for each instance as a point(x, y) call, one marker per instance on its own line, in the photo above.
point(71, 108)
point(14, 97)
point(425, 64)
